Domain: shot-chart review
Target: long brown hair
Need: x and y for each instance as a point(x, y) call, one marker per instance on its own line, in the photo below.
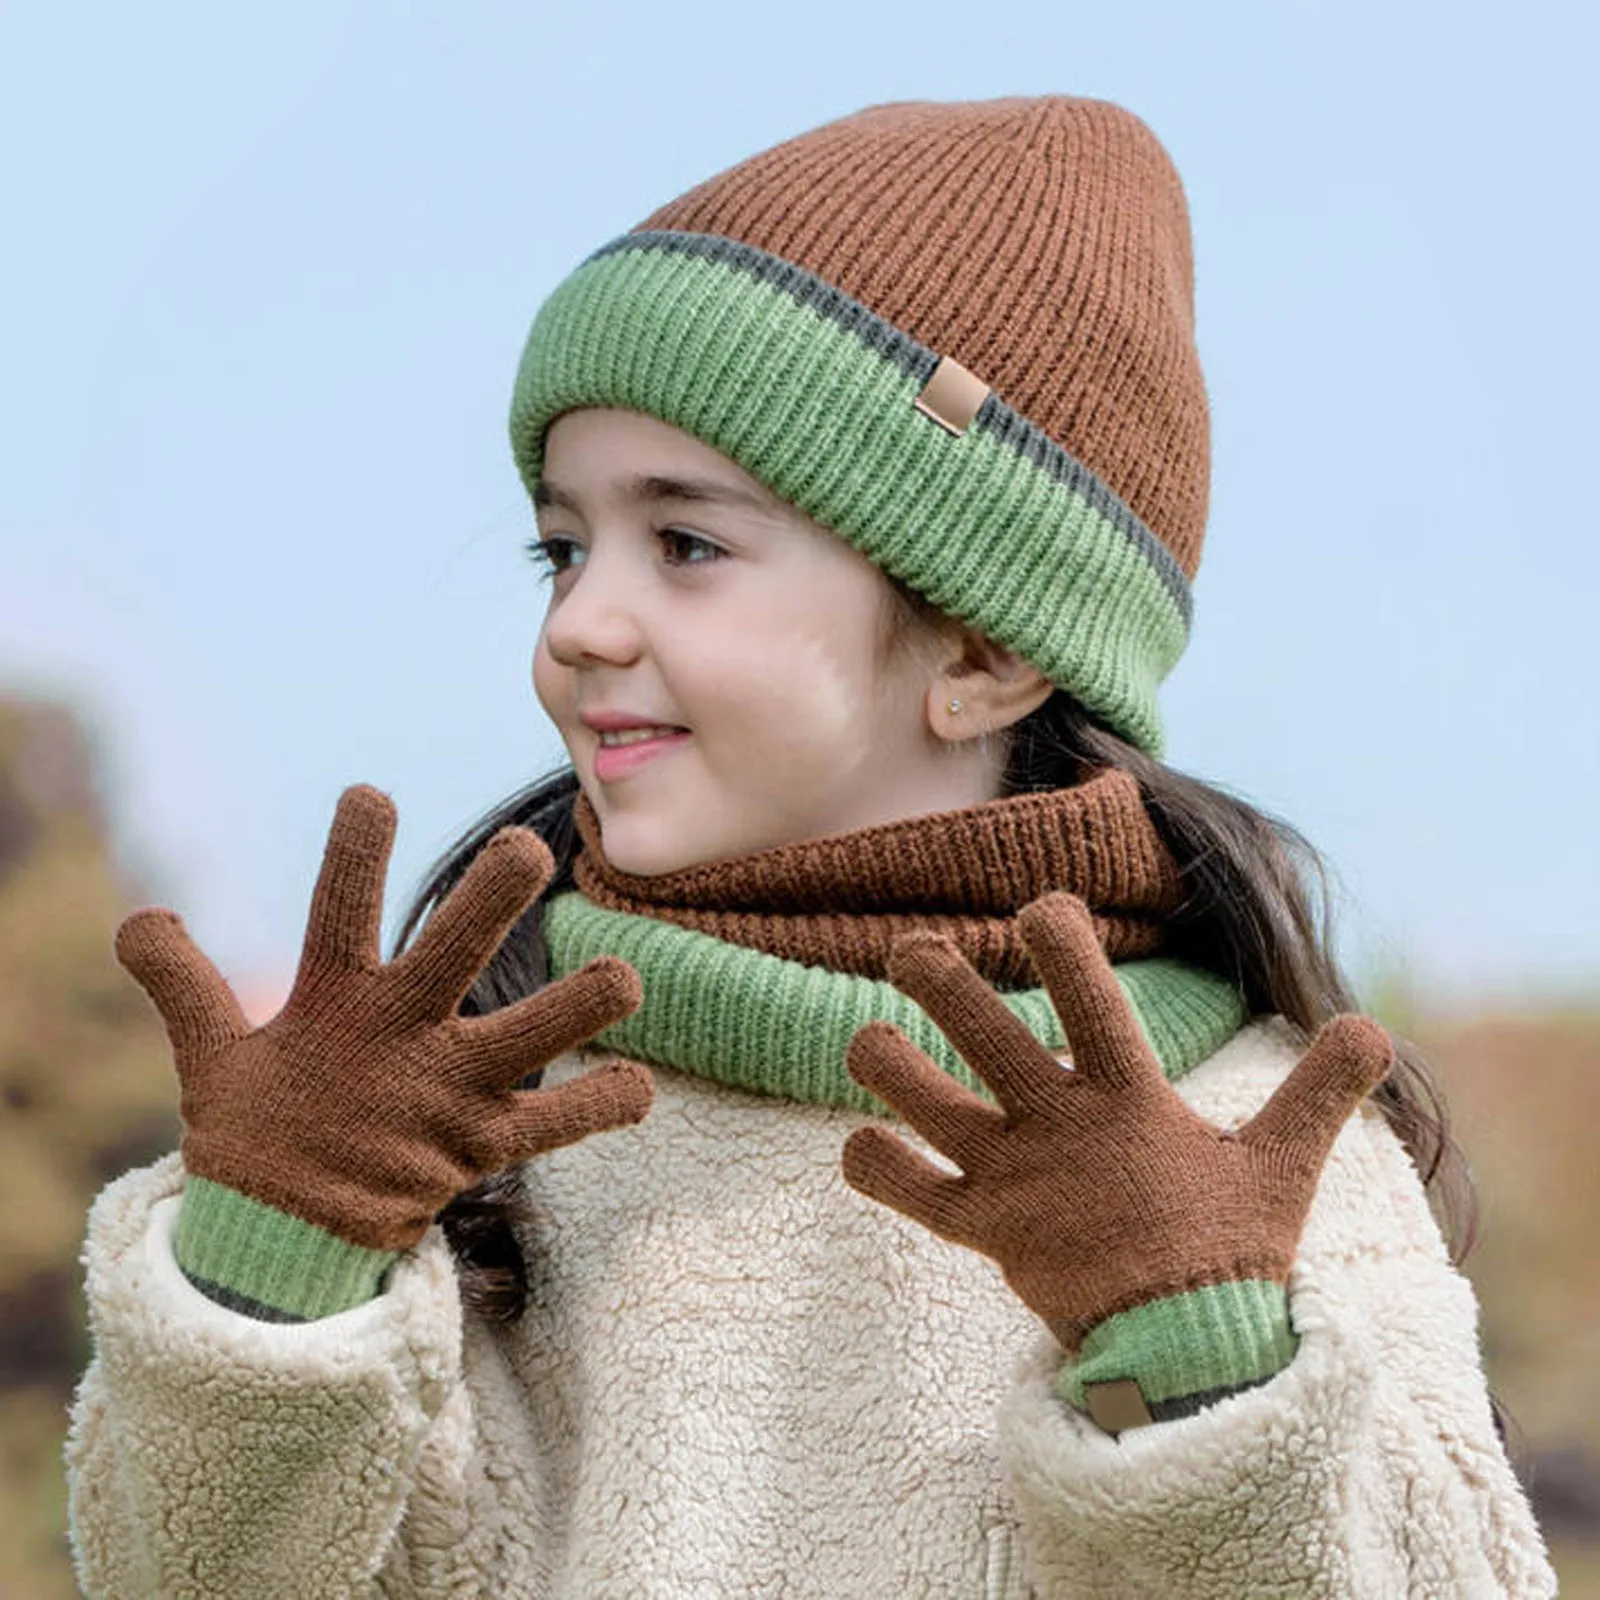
point(1256, 912)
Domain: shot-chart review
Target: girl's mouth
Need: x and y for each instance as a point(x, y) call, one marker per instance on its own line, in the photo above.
point(625, 750)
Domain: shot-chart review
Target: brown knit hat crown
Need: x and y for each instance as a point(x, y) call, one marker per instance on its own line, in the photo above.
point(961, 336)
point(1043, 243)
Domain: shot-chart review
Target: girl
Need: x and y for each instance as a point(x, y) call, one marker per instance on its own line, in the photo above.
point(1011, 1216)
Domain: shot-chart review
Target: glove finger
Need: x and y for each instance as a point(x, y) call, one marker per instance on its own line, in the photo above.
point(200, 1011)
point(613, 1096)
point(947, 1114)
point(888, 1170)
point(467, 927)
point(990, 1037)
point(507, 1045)
point(347, 903)
point(1348, 1058)
point(1103, 1034)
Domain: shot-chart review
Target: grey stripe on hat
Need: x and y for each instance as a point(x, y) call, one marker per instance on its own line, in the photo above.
point(917, 361)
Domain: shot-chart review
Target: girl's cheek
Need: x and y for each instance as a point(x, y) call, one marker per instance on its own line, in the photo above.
point(810, 686)
point(548, 682)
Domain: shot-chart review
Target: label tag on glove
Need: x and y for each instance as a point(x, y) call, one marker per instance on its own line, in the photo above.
point(1116, 1407)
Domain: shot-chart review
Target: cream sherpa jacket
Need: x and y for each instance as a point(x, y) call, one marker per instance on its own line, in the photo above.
point(739, 1378)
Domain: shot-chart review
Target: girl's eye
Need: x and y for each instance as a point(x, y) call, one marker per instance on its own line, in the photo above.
point(685, 549)
point(554, 555)
point(559, 554)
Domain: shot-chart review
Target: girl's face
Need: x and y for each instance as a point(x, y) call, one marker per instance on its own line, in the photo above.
point(719, 665)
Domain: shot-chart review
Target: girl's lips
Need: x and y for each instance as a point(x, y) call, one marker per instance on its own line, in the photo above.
point(618, 760)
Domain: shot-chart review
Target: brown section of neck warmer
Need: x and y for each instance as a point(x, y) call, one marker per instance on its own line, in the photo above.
point(840, 902)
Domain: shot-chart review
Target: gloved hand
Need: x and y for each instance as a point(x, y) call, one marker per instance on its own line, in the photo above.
point(367, 1104)
point(1095, 1189)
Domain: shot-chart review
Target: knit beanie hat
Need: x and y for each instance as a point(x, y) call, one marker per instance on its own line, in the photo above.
point(959, 335)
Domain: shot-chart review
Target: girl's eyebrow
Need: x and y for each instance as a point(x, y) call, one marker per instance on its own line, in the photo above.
point(654, 487)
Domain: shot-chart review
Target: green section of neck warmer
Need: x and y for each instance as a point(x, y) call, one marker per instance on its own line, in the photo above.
point(770, 1026)
point(813, 394)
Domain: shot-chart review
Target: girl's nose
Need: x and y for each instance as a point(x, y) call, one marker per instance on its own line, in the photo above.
point(592, 623)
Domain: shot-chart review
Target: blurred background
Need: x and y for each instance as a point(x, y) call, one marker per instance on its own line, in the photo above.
point(265, 277)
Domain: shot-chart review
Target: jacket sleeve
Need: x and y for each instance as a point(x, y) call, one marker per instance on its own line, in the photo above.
point(212, 1454)
point(1368, 1468)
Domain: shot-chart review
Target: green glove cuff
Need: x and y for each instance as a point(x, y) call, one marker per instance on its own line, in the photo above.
point(266, 1264)
point(1225, 1336)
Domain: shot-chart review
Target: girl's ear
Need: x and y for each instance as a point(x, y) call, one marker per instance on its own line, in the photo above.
point(981, 688)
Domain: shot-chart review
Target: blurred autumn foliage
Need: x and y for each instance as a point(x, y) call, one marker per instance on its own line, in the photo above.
point(86, 1091)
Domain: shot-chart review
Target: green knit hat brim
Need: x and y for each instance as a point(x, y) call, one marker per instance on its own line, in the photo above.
point(812, 394)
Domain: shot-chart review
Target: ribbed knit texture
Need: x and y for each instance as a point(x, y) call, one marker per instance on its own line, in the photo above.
point(704, 995)
point(1224, 1336)
point(839, 902)
point(1098, 1191)
point(790, 311)
point(325, 1141)
point(766, 1025)
point(748, 1020)
point(267, 1264)
point(275, 1268)
point(769, 1026)
point(1043, 243)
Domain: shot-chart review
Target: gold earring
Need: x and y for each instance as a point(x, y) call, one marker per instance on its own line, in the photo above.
point(954, 707)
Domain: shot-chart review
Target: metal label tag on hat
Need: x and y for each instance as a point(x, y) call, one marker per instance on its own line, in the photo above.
point(952, 396)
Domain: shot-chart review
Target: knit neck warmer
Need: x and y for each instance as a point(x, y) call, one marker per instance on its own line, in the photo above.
point(758, 970)
point(839, 902)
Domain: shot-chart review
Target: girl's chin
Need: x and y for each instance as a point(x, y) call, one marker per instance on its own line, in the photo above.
point(650, 846)
point(645, 847)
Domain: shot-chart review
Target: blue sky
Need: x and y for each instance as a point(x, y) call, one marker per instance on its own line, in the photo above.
point(268, 272)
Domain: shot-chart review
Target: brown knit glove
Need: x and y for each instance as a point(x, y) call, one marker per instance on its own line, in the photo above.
point(367, 1104)
point(1095, 1189)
